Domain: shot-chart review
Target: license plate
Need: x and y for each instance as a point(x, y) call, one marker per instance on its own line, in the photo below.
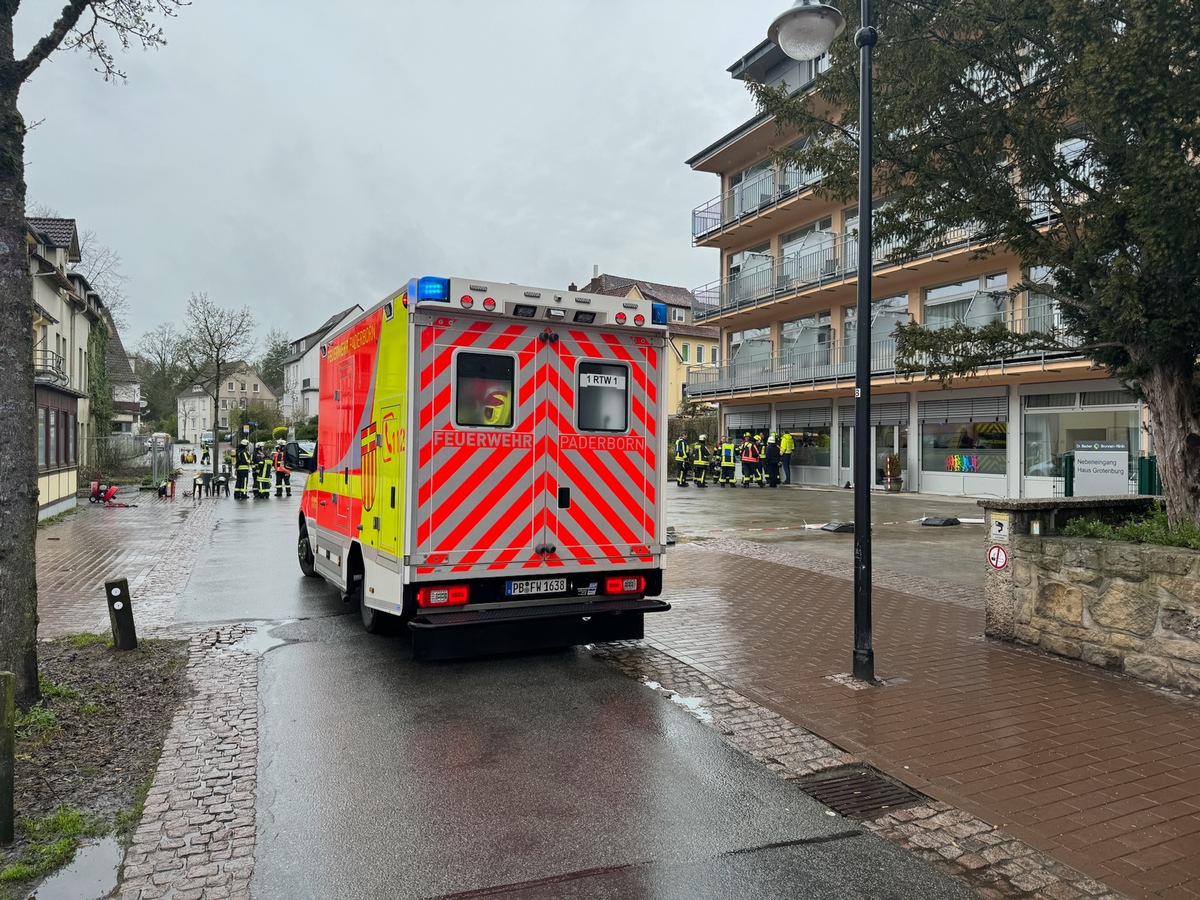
point(536, 586)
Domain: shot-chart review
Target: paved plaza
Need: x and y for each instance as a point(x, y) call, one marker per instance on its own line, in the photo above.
point(1044, 777)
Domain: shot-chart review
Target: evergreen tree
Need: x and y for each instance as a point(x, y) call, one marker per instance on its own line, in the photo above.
point(1067, 131)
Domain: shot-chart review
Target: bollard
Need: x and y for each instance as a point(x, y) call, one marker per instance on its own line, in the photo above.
point(8, 723)
point(120, 614)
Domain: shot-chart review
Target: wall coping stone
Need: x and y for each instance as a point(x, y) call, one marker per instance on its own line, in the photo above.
point(1132, 502)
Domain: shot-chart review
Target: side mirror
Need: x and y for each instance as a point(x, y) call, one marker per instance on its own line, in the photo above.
point(299, 460)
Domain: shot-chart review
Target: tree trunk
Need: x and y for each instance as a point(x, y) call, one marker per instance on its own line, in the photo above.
point(18, 417)
point(1170, 394)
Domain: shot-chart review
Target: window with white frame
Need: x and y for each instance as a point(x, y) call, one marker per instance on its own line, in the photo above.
point(685, 352)
point(678, 314)
point(255, 389)
point(973, 302)
point(700, 354)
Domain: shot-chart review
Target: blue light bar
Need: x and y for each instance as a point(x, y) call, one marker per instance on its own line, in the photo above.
point(658, 313)
point(433, 289)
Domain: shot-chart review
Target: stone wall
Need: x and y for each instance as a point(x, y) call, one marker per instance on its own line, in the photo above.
point(1130, 607)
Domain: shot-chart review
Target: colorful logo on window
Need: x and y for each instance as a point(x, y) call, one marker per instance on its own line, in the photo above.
point(961, 462)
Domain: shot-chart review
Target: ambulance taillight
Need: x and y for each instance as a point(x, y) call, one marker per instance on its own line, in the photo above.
point(628, 584)
point(445, 595)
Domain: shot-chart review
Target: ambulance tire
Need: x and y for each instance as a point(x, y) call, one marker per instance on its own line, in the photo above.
point(305, 555)
point(373, 620)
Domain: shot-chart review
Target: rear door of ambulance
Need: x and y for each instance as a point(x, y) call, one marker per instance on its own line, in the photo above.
point(476, 469)
point(602, 418)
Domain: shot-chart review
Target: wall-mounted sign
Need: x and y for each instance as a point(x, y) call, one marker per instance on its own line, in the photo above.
point(1101, 468)
point(997, 556)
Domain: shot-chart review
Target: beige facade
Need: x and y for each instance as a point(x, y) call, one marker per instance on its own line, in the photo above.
point(785, 302)
point(242, 388)
point(65, 310)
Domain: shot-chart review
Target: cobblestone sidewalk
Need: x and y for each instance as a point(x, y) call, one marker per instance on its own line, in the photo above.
point(994, 864)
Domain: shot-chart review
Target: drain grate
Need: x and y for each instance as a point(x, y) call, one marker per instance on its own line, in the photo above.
point(860, 794)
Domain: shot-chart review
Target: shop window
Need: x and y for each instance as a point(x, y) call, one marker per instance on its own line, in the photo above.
point(484, 388)
point(973, 448)
point(602, 397)
point(1048, 435)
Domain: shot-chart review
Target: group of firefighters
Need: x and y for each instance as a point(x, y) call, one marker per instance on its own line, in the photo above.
point(253, 462)
point(760, 459)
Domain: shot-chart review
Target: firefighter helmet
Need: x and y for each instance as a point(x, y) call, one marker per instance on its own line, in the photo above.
point(244, 443)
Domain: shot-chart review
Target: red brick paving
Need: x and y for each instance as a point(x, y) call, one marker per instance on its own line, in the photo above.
point(1099, 771)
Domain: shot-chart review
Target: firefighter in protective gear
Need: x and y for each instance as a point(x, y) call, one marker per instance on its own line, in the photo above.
point(283, 475)
point(771, 462)
point(243, 461)
point(750, 461)
point(760, 472)
point(728, 473)
point(205, 458)
point(263, 470)
point(787, 446)
point(681, 460)
point(701, 457)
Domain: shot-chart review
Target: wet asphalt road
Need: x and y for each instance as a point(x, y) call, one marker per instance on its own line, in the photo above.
point(538, 776)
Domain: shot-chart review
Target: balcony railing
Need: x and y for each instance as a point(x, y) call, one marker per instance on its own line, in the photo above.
point(811, 267)
point(49, 366)
point(834, 362)
point(746, 199)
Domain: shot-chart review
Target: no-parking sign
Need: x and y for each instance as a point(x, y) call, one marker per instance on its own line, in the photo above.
point(997, 556)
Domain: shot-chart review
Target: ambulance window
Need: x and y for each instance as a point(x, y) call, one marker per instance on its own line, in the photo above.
point(603, 397)
point(484, 386)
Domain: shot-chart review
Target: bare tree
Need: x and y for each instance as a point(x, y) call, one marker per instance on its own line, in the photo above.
point(100, 264)
point(86, 25)
point(218, 340)
point(161, 370)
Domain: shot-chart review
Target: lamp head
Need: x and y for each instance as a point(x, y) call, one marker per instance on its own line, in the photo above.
point(807, 29)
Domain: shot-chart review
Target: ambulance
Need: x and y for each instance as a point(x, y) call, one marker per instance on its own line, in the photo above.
point(490, 466)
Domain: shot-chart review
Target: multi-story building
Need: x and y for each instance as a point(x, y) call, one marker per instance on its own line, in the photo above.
point(65, 310)
point(691, 345)
point(785, 303)
point(126, 386)
point(242, 388)
point(302, 369)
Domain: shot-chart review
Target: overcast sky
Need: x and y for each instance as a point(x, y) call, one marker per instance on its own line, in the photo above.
point(297, 156)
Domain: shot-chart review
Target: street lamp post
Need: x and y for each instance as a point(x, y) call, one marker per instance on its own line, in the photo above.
point(805, 32)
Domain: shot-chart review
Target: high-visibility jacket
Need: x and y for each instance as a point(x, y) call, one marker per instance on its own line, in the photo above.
point(787, 443)
point(701, 453)
point(728, 454)
point(750, 452)
point(681, 450)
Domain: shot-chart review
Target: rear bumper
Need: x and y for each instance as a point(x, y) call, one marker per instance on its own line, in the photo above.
point(450, 635)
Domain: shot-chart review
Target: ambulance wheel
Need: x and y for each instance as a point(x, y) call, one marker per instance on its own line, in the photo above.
point(373, 621)
point(305, 555)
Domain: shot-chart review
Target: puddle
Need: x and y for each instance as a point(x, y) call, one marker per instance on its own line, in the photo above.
point(92, 873)
point(260, 640)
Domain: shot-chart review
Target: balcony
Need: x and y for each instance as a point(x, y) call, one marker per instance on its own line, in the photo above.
point(742, 201)
point(835, 261)
point(49, 367)
point(833, 364)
